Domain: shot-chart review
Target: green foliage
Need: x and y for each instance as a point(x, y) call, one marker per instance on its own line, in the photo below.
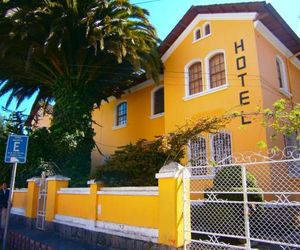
point(133, 165)
point(284, 117)
point(229, 179)
point(77, 53)
point(137, 164)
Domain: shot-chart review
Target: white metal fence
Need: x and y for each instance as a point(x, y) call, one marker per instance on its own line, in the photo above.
point(252, 203)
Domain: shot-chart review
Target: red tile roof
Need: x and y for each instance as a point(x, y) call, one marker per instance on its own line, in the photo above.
point(266, 14)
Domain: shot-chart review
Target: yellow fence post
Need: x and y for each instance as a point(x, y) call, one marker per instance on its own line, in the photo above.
point(170, 186)
point(94, 188)
point(32, 197)
point(54, 183)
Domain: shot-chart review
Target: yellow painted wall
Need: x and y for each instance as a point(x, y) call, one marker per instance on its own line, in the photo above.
point(20, 199)
point(76, 205)
point(139, 125)
point(177, 110)
point(130, 210)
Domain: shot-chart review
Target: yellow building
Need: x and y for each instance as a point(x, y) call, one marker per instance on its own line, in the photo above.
point(217, 58)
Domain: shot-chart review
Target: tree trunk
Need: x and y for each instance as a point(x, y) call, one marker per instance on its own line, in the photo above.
point(72, 131)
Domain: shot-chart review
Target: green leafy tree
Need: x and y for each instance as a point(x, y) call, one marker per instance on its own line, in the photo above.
point(76, 53)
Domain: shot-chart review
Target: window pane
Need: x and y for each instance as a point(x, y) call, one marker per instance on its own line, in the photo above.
point(207, 29)
point(159, 101)
point(198, 152)
point(279, 73)
point(221, 143)
point(122, 114)
point(195, 78)
point(197, 34)
point(217, 70)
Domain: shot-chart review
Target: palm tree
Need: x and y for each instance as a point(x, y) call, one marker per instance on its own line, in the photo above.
point(76, 53)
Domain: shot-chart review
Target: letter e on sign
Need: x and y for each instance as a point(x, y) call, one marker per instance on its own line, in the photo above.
point(16, 149)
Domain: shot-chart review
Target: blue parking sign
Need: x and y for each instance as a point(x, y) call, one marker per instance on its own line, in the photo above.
point(16, 149)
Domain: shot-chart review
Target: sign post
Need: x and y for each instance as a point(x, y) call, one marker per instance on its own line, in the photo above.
point(16, 151)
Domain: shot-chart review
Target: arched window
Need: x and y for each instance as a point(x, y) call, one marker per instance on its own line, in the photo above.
point(217, 74)
point(197, 34)
point(221, 148)
point(206, 29)
point(158, 101)
point(121, 114)
point(281, 74)
point(198, 152)
point(195, 78)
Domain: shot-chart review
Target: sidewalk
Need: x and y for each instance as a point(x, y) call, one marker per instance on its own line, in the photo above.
point(51, 240)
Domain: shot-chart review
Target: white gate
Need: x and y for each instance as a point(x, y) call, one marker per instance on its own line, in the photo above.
point(41, 208)
point(252, 203)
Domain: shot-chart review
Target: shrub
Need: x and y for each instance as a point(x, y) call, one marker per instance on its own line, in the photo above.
point(133, 165)
point(229, 179)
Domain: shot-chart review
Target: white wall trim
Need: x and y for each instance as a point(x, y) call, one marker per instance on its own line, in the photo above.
point(17, 211)
point(123, 230)
point(74, 191)
point(270, 37)
point(143, 191)
point(283, 73)
point(21, 190)
point(58, 178)
point(206, 92)
point(200, 17)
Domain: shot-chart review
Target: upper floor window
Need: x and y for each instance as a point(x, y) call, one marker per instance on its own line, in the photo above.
point(121, 114)
point(195, 78)
point(197, 34)
point(217, 73)
point(281, 74)
point(158, 101)
point(221, 148)
point(207, 29)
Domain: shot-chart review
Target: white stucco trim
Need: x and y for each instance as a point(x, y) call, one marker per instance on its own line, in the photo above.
point(123, 230)
point(143, 191)
point(17, 211)
point(58, 178)
point(21, 190)
point(187, 78)
point(207, 17)
point(116, 115)
point(268, 35)
point(74, 191)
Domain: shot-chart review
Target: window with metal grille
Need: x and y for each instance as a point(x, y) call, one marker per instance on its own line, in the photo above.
point(197, 34)
point(292, 151)
point(195, 78)
point(217, 70)
point(121, 114)
point(221, 148)
point(158, 102)
point(198, 152)
point(207, 29)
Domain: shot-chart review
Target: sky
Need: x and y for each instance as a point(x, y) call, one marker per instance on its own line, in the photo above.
point(165, 14)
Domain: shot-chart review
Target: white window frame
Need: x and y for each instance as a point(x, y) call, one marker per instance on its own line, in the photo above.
point(212, 146)
point(116, 115)
point(194, 34)
point(204, 25)
point(187, 78)
point(207, 71)
point(282, 68)
point(190, 150)
point(153, 116)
